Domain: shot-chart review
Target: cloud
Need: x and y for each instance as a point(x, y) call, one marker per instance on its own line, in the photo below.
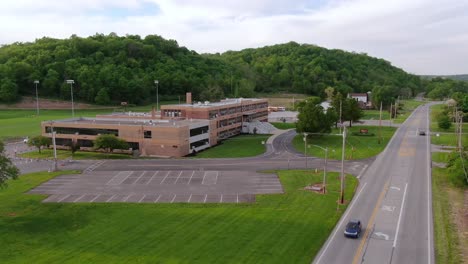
point(421, 36)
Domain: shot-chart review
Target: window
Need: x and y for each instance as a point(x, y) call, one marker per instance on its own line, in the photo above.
point(147, 134)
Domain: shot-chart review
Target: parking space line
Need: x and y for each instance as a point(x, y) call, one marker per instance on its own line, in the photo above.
point(77, 199)
point(144, 195)
point(139, 177)
point(92, 200)
point(237, 198)
point(206, 195)
point(165, 177)
point(110, 198)
point(190, 198)
point(221, 199)
point(63, 198)
point(193, 173)
point(154, 175)
point(157, 199)
point(173, 198)
point(178, 177)
point(126, 198)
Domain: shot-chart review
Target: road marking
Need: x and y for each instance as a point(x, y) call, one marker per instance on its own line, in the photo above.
point(388, 208)
point(154, 175)
point(79, 198)
point(178, 177)
point(158, 198)
point(429, 184)
point(126, 198)
point(142, 198)
point(380, 234)
point(165, 177)
point(189, 198)
point(399, 217)
point(193, 173)
point(395, 188)
point(63, 198)
point(371, 222)
point(338, 227)
point(221, 199)
point(110, 198)
point(92, 200)
point(237, 198)
point(362, 171)
point(139, 177)
point(173, 198)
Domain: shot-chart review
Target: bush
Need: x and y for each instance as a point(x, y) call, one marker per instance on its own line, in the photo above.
point(444, 121)
point(456, 169)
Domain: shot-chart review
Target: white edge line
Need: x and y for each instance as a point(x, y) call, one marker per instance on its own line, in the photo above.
point(399, 217)
point(340, 223)
point(429, 190)
point(362, 171)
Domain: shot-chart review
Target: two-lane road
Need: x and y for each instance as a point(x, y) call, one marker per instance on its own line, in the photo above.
point(394, 204)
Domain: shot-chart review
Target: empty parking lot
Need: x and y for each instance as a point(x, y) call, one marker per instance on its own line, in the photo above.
point(171, 186)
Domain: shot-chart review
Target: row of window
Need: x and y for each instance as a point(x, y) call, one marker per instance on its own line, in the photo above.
point(82, 131)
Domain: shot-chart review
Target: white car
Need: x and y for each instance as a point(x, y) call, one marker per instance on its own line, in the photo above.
point(26, 140)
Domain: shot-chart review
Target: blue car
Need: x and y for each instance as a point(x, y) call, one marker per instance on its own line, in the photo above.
point(353, 229)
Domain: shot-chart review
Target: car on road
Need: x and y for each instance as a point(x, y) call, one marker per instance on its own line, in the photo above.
point(353, 228)
point(422, 132)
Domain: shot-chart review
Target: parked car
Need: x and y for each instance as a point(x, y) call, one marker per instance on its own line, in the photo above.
point(353, 228)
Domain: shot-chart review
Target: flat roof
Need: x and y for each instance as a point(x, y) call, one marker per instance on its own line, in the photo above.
point(224, 102)
point(128, 122)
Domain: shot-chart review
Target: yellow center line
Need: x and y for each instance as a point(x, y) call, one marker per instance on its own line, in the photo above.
point(369, 225)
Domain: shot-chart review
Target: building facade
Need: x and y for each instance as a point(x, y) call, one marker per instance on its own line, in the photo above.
point(177, 131)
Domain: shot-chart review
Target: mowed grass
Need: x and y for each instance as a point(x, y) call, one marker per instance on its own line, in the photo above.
point(236, 147)
point(445, 200)
point(447, 137)
point(22, 123)
point(66, 154)
point(357, 147)
point(281, 125)
point(280, 228)
point(408, 107)
point(375, 115)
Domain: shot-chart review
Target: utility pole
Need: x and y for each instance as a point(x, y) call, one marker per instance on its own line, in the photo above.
point(391, 113)
point(55, 150)
point(459, 125)
point(342, 167)
point(341, 121)
point(325, 171)
point(305, 148)
point(380, 124)
point(36, 82)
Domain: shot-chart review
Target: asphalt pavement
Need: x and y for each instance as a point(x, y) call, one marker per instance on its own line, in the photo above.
point(393, 202)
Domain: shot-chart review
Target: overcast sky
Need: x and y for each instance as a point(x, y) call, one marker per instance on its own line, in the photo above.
point(420, 36)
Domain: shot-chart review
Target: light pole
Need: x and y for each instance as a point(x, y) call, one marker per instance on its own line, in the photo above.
point(36, 82)
point(71, 82)
point(305, 148)
point(342, 166)
point(324, 167)
point(157, 94)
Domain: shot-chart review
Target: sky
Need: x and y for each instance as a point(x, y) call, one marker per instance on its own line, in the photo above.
point(419, 36)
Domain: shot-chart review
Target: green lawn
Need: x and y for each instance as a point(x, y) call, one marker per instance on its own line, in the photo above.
point(66, 154)
point(375, 115)
point(444, 195)
point(281, 125)
point(22, 123)
point(236, 147)
point(357, 147)
point(408, 107)
point(280, 228)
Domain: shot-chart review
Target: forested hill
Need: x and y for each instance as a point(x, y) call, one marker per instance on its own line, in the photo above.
point(457, 77)
point(310, 69)
point(108, 69)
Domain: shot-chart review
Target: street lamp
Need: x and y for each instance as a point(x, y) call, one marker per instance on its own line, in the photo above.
point(325, 166)
point(36, 82)
point(305, 148)
point(157, 94)
point(71, 82)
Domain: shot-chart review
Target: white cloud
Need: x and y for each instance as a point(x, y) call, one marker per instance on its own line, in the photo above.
point(421, 36)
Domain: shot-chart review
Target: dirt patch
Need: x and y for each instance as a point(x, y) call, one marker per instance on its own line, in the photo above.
point(317, 187)
point(30, 103)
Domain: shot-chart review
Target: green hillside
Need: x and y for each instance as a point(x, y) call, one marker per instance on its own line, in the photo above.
point(108, 69)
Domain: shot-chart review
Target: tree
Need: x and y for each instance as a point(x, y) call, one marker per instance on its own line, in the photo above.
point(313, 119)
point(352, 111)
point(7, 169)
point(8, 90)
point(102, 97)
point(444, 121)
point(39, 141)
point(109, 143)
point(74, 147)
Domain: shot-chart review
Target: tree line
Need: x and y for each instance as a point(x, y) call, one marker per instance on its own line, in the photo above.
point(108, 69)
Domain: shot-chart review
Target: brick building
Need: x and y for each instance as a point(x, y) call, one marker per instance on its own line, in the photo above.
point(177, 131)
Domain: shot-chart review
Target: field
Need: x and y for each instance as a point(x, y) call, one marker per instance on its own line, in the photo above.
point(375, 115)
point(447, 137)
point(357, 147)
point(66, 154)
point(237, 147)
point(408, 107)
point(285, 228)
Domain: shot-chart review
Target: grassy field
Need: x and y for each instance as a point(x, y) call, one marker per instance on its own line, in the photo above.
point(22, 123)
point(408, 107)
point(280, 228)
point(447, 137)
point(375, 115)
point(357, 147)
point(281, 125)
point(446, 199)
point(237, 147)
point(66, 154)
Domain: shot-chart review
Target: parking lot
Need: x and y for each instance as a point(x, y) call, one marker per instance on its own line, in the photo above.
point(170, 186)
